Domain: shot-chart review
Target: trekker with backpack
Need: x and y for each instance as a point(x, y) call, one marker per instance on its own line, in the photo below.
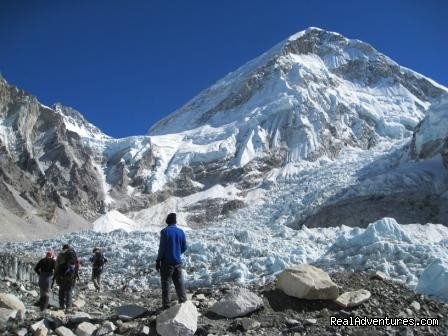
point(67, 267)
point(98, 260)
point(45, 269)
point(169, 262)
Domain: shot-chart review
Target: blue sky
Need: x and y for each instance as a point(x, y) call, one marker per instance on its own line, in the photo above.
point(126, 64)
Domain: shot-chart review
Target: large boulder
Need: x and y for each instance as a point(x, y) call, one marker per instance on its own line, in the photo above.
point(11, 301)
point(307, 282)
point(237, 302)
point(353, 299)
point(179, 320)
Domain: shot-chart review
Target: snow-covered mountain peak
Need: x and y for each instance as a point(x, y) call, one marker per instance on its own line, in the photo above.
point(291, 137)
point(311, 95)
point(75, 122)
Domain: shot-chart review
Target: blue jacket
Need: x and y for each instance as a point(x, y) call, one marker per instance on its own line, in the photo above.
point(172, 245)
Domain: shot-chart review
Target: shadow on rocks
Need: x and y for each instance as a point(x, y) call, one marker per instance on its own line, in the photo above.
point(279, 301)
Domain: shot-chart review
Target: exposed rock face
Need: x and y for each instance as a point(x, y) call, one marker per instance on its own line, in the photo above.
point(307, 282)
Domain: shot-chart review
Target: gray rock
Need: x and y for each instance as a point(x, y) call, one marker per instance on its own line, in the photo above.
point(109, 325)
point(41, 331)
point(237, 302)
point(63, 331)
point(145, 330)
point(79, 303)
point(85, 329)
point(7, 314)
point(39, 325)
point(201, 297)
point(79, 317)
point(130, 312)
point(249, 324)
point(179, 320)
point(21, 332)
point(378, 275)
point(11, 301)
point(353, 299)
point(126, 326)
point(415, 305)
point(307, 282)
point(292, 322)
point(310, 321)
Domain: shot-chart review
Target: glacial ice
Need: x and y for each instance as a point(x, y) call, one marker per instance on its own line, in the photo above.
point(412, 254)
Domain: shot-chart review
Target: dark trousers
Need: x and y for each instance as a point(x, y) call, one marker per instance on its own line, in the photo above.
point(45, 280)
point(173, 272)
point(96, 278)
point(65, 292)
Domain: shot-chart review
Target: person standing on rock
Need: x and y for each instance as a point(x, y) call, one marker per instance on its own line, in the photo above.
point(45, 268)
point(67, 266)
point(169, 263)
point(98, 260)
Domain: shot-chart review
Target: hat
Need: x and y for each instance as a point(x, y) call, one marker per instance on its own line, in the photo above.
point(66, 247)
point(171, 219)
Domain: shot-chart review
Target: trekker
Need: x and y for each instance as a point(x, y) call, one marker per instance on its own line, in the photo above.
point(45, 269)
point(67, 266)
point(98, 260)
point(169, 262)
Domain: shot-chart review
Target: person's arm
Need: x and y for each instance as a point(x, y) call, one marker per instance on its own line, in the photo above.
point(161, 251)
point(183, 246)
point(162, 246)
point(38, 266)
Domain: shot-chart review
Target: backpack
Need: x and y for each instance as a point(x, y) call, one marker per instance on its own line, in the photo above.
point(98, 260)
point(71, 263)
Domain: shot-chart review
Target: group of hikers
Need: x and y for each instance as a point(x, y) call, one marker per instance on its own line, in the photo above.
point(65, 272)
point(65, 269)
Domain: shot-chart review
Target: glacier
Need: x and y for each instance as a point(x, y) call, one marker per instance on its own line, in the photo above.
point(414, 254)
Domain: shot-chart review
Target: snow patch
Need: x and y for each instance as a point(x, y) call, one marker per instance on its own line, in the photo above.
point(114, 220)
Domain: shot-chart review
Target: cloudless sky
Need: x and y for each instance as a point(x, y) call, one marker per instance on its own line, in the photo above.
point(126, 64)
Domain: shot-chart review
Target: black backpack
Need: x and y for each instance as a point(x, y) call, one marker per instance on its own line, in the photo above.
point(99, 260)
point(71, 263)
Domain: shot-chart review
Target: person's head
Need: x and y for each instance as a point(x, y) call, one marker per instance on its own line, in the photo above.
point(49, 253)
point(96, 250)
point(171, 219)
point(65, 247)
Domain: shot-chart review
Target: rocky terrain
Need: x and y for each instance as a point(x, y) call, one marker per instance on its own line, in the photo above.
point(119, 311)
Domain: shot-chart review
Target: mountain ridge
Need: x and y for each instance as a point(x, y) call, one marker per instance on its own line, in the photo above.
point(306, 104)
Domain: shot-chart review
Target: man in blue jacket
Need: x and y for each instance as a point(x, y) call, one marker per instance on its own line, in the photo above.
point(169, 262)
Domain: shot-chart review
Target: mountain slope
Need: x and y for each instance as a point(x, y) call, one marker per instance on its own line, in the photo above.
point(320, 130)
